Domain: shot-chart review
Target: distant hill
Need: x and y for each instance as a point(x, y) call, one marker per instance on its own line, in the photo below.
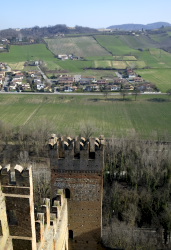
point(41, 32)
point(150, 26)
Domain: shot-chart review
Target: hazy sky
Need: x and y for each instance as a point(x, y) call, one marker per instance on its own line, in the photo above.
point(91, 13)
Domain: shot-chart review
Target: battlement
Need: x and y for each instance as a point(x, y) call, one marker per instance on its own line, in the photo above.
point(15, 175)
point(75, 145)
point(49, 219)
point(76, 153)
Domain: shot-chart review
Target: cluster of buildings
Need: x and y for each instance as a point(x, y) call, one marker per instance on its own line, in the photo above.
point(22, 81)
point(16, 82)
point(3, 44)
point(3, 68)
point(70, 83)
point(134, 81)
point(37, 81)
point(127, 80)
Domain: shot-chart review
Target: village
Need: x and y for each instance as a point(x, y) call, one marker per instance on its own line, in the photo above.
point(37, 81)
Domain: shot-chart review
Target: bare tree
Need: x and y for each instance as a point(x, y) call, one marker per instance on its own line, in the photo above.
point(123, 93)
point(88, 129)
point(106, 93)
point(168, 92)
point(135, 93)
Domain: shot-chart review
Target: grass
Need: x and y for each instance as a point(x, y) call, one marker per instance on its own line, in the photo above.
point(80, 46)
point(110, 64)
point(160, 38)
point(163, 58)
point(160, 77)
point(125, 58)
point(123, 46)
point(20, 54)
point(99, 73)
point(140, 41)
point(17, 66)
point(114, 44)
point(30, 68)
point(118, 64)
point(154, 58)
point(26, 53)
point(94, 58)
point(136, 64)
point(75, 66)
point(150, 117)
point(103, 64)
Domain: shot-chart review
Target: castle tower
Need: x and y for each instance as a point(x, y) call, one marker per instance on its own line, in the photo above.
point(21, 227)
point(77, 167)
point(17, 188)
point(5, 241)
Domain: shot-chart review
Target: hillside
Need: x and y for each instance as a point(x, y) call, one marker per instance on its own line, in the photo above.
point(101, 54)
point(41, 32)
point(150, 26)
point(84, 46)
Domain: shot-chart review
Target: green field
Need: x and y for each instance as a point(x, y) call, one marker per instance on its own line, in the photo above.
point(75, 66)
point(125, 58)
point(138, 41)
point(148, 117)
point(26, 53)
point(17, 65)
point(80, 46)
point(122, 46)
point(110, 64)
point(161, 77)
point(21, 54)
point(115, 45)
point(163, 38)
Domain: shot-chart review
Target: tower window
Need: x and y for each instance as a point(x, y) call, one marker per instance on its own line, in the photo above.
point(12, 217)
point(1, 233)
point(92, 155)
point(71, 234)
point(67, 193)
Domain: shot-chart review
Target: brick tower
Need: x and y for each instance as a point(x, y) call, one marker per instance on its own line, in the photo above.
point(77, 167)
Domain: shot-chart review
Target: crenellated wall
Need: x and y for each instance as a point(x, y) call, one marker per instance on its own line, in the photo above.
point(77, 154)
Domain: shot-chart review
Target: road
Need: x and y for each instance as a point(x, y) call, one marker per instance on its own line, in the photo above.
point(78, 94)
point(44, 76)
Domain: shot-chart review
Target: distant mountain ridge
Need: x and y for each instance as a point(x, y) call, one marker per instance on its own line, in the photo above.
point(150, 26)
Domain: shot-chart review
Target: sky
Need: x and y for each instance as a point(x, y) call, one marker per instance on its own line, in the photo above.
point(87, 13)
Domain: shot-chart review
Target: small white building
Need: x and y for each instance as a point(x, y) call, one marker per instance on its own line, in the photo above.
point(63, 57)
point(40, 86)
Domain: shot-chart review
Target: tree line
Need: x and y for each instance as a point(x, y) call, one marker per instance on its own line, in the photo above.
point(137, 194)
